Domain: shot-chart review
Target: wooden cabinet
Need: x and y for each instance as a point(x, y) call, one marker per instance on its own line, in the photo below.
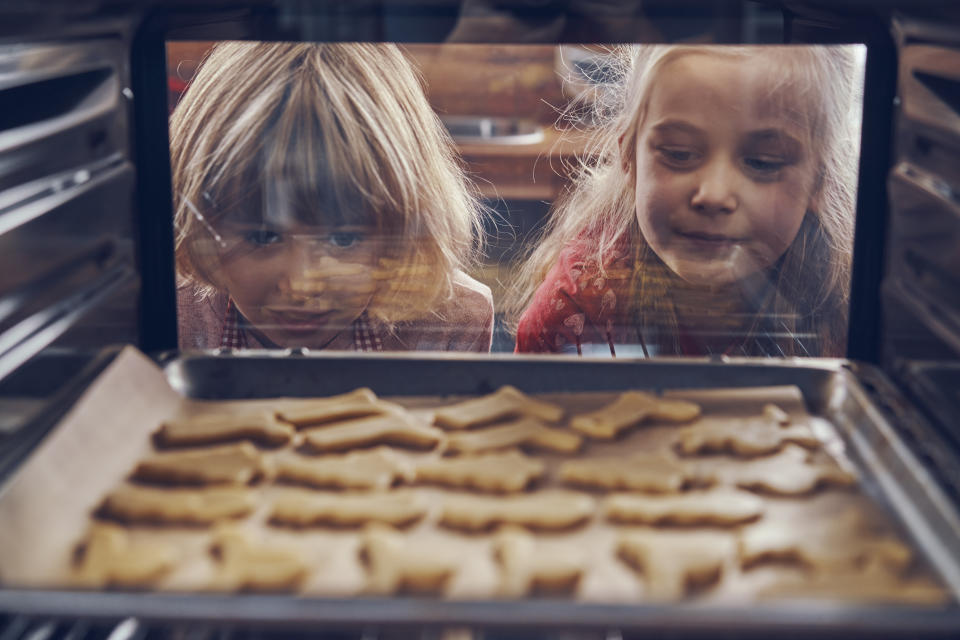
point(525, 172)
point(514, 81)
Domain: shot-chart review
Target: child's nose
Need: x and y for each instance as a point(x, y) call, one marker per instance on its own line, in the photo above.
point(715, 189)
point(298, 258)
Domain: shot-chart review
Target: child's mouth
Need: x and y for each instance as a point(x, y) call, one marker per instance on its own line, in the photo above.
point(709, 241)
point(299, 321)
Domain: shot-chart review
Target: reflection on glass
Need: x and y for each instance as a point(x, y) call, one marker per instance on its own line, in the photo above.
point(674, 200)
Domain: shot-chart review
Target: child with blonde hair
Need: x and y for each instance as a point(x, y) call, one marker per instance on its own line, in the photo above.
point(717, 216)
point(319, 203)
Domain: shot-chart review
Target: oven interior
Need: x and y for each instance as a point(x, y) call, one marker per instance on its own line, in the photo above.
point(85, 207)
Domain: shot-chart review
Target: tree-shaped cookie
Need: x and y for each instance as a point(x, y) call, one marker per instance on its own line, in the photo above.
point(526, 432)
point(759, 436)
point(377, 468)
point(823, 544)
point(399, 429)
point(358, 403)
point(554, 509)
point(630, 409)
point(135, 504)
point(505, 402)
point(306, 509)
point(648, 472)
point(108, 557)
point(395, 564)
point(788, 473)
point(717, 507)
point(510, 471)
point(528, 566)
point(262, 428)
point(238, 464)
point(675, 563)
point(247, 564)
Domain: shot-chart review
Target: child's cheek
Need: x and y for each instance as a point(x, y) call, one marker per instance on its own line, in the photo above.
point(657, 196)
point(778, 216)
point(253, 278)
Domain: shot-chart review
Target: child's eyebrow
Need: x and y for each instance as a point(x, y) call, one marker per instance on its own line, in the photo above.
point(776, 136)
point(680, 126)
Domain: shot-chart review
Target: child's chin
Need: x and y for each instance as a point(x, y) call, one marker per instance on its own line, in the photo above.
point(707, 271)
point(709, 275)
point(312, 338)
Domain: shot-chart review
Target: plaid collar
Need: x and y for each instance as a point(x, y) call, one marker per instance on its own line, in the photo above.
point(235, 336)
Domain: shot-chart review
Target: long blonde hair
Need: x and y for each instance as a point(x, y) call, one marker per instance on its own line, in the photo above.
point(348, 126)
point(813, 276)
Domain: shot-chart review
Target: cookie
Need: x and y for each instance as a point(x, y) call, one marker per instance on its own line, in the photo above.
point(542, 510)
point(177, 506)
point(262, 428)
point(229, 464)
point(528, 567)
point(753, 437)
point(677, 563)
point(395, 429)
point(788, 473)
point(245, 564)
point(630, 409)
point(505, 472)
point(646, 472)
point(505, 402)
point(378, 468)
point(306, 509)
point(396, 565)
point(718, 508)
point(358, 403)
point(108, 558)
point(525, 432)
point(825, 544)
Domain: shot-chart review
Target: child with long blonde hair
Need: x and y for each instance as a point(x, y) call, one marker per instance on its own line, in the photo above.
point(319, 203)
point(716, 216)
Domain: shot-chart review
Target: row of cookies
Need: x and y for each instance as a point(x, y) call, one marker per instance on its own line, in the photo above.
point(846, 554)
point(541, 510)
point(790, 472)
point(504, 419)
point(550, 510)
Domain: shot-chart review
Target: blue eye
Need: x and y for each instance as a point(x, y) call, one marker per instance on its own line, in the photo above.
point(764, 165)
point(344, 239)
point(677, 156)
point(262, 237)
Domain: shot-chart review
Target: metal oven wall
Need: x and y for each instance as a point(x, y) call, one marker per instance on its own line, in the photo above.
point(69, 280)
point(920, 345)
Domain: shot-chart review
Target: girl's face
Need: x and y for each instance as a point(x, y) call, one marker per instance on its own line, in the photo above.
point(298, 286)
point(724, 171)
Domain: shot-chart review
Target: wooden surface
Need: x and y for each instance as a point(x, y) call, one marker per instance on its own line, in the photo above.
point(526, 172)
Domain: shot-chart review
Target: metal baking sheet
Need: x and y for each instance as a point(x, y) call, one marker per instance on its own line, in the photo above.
point(892, 476)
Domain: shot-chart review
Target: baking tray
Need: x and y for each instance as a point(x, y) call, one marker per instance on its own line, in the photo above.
point(892, 477)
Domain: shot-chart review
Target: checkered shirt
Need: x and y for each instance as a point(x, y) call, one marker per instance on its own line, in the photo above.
point(235, 336)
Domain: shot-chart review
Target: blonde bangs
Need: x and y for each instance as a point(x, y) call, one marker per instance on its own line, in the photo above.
point(328, 135)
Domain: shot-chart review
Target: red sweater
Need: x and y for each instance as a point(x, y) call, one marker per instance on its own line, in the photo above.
point(579, 303)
